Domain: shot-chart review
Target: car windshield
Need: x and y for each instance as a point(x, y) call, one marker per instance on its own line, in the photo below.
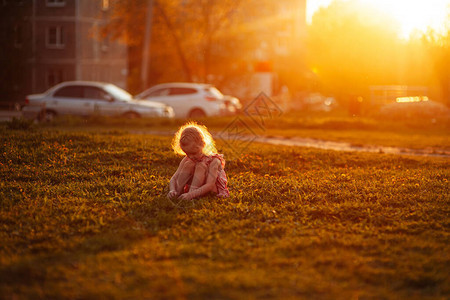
point(214, 91)
point(118, 93)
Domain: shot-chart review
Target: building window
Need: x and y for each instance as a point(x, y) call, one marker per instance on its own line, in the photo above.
point(55, 3)
point(54, 76)
point(55, 37)
point(105, 4)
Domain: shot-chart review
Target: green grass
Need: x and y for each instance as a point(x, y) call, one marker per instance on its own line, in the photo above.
point(84, 215)
point(418, 133)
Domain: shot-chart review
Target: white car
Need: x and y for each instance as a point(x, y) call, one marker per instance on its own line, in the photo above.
point(84, 98)
point(192, 100)
point(418, 107)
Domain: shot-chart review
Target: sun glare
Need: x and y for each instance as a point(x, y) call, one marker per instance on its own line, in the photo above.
point(412, 15)
point(415, 15)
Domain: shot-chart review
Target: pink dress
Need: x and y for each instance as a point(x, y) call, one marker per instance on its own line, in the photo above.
point(221, 181)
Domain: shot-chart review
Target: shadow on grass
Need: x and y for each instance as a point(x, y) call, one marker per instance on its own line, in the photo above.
point(142, 220)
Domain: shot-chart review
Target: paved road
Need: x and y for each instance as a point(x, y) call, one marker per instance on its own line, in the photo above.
point(343, 146)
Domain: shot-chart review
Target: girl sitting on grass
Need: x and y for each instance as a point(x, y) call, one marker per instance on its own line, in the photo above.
point(202, 170)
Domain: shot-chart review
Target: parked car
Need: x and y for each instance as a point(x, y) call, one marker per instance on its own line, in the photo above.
point(192, 100)
point(234, 102)
point(318, 102)
point(84, 98)
point(418, 108)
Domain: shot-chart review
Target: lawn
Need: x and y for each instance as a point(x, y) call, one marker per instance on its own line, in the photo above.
point(416, 133)
point(83, 214)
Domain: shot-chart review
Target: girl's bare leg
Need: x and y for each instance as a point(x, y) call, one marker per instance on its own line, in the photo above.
point(200, 176)
point(185, 175)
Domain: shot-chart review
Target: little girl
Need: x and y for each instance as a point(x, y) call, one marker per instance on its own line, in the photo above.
point(202, 169)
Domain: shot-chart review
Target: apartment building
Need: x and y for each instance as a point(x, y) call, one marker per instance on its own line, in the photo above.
point(45, 42)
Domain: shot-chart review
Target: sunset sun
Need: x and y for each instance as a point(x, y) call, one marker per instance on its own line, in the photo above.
point(410, 15)
point(414, 15)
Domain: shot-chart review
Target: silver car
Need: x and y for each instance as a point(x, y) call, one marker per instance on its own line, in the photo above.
point(85, 98)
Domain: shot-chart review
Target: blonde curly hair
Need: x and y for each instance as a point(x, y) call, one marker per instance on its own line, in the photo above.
point(196, 132)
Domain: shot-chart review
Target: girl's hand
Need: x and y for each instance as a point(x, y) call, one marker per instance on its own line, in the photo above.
point(185, 196)
point(172, 194)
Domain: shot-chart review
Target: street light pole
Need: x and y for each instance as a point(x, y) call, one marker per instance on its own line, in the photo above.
point(147, 43)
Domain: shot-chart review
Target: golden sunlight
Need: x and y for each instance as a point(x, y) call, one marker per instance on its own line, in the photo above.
point(412, 15)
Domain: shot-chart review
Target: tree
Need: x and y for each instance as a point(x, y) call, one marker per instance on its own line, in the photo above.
point(349, 48)
point(352, 46)
point(437, 46)
point(203, 40)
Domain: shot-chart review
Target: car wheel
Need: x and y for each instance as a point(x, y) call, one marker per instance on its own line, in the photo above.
point(197, 113)
point(131, 115)
point(47, 116)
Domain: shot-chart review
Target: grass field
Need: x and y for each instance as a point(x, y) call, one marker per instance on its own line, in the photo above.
point(416, 133)
point(83, 215)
